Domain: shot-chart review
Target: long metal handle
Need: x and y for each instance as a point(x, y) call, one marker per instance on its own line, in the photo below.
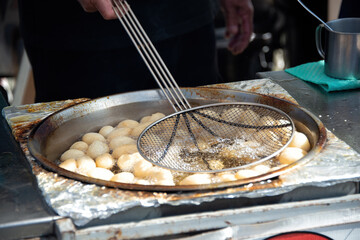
point(150, 55)
point(307, 9)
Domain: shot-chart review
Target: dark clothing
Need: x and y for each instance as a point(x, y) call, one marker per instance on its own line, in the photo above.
point(59, 74)
point(349, 8)
point(65, 25)
point(77, 54)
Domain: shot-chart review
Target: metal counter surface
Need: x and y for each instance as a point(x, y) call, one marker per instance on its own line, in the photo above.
point(339, 111)
point(23, 211)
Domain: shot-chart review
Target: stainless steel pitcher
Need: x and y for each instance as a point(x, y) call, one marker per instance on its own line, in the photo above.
point(340, 48)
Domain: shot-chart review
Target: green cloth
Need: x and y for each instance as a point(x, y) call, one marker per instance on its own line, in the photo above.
point(314, 72)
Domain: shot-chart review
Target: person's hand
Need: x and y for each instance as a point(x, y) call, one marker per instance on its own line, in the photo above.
point(239, 23)
point(104, 7)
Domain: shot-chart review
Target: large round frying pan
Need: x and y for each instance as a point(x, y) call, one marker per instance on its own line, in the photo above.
point(55, 134)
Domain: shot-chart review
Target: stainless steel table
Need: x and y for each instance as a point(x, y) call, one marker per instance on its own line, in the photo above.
point(24, 214)
point(339, 111)
point(23, 211)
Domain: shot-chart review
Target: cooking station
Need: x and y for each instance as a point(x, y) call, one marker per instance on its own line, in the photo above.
point(321, 201)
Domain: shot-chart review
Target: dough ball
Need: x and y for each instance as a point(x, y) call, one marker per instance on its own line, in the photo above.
point(124, 149)
point(246, 173)
point(142, 168)
point(101, 173)
point(197, 178)
point(105, 130)
point(291, 154)
point(233, 115)
point(128, 123)
point(142, 181)
point(126, 162)
point(69, 164)
point(270, 135)
point(145, 119)
point(166, 182)
point(267, 136)
point(105, 161)
point(97, 148)
point(261, 168)
point(90, 137)
point(80, 145)
point(226, 177)
point(156, 116)
point(285, 130)
point(123, 177)
point(71, 153)
point(118, 132)
point(300, 141)
point(158, 174)
point(85, 164)
point(121, 140)
point(139, 129)
point(250, 117)
point(267, 121)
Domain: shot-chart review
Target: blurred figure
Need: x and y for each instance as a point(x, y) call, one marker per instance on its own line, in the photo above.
point(79, 49)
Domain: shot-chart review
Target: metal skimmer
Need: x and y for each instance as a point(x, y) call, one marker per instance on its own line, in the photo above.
point(211, 138)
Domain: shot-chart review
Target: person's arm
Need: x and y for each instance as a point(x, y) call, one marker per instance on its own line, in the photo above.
point(238, 16)
point(103, 6)
point(239, 23)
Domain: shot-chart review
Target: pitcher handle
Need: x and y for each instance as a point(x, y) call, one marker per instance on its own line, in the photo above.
point(318, 40)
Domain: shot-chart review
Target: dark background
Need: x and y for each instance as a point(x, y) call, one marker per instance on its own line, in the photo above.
point(279, 26)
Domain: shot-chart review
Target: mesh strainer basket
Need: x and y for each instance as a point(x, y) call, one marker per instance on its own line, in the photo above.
point(217, 137)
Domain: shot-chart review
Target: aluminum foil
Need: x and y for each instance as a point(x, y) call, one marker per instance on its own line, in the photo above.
point(84, 202)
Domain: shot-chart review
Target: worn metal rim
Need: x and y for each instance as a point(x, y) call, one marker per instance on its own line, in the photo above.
point(212, 94)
